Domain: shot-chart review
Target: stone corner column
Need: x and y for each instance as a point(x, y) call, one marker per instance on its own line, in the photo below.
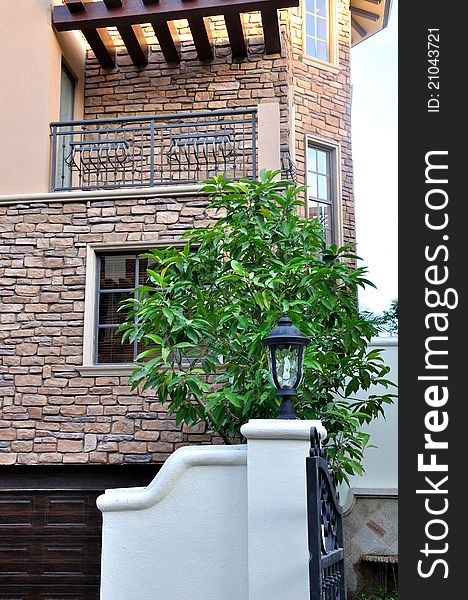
point(269, 149)
point(277, 511)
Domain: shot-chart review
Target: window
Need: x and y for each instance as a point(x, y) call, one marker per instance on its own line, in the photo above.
point(321, 188)
point(67, 111)
point(67, 95)
point(117, 275)
point(317, 29)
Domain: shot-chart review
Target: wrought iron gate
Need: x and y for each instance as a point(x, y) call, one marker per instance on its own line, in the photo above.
point(325, 525)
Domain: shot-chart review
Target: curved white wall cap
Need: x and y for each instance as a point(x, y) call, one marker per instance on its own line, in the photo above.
point(281, 429)
point(384, 341)
point(181, 460)
point(355, 492)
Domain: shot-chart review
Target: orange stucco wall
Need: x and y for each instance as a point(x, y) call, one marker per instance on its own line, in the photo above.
point(30, 59)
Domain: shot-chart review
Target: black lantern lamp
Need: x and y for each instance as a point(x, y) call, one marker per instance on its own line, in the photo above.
point(285, 346)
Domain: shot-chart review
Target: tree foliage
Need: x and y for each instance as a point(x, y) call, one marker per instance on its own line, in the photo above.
point(207, 305)
point(387, 321)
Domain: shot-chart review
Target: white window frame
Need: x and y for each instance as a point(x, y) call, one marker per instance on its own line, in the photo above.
point(335, 155)
point(89, 366)
point(333, 63)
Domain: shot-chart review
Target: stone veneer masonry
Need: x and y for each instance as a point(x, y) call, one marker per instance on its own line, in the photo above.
point(314, 99)
point(49, 412)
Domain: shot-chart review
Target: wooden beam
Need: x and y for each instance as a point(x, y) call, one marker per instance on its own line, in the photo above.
point(201, 34)
point(235, 29)
point(358, 27)
point(134, 12)
point(135, 42)
point(168, 39)
point(113, 3)
point(365, 14)
point(376, 2)
point(74, 6)
point(102, 45)
point(271, 31)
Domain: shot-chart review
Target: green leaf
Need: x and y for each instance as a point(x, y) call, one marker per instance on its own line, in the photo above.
point(238, 268)
point(235, 399)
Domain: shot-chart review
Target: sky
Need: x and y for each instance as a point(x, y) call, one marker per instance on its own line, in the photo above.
point(374, 131)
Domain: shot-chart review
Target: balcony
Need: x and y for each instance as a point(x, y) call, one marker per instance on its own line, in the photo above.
point(182, 148)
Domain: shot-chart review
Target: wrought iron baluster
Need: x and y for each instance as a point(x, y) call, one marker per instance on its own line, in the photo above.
point(170, 150)
point(124, 168)
point(62, 162)
point(108, 161)
point(53, 182)
point(151, 149)
point(244, 165)
point(254, 144)
point(79, 167)
point(142, 158)
point(86, 165)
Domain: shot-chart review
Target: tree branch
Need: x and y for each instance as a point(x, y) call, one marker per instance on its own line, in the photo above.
point(212, 420)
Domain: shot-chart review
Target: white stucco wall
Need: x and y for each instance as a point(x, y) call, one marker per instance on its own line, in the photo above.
point(216, 523)
point(277, 508)
point(184, 537)
point(380, 463)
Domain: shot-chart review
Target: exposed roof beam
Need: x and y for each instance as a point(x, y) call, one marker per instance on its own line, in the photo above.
point(74, 6)
point(102, 45)
point(201, 34)
point(133, 12)
point(376, 2)
point(365, 14)
point(235, 29)
point(358, 27)
point(135, 42)
point(168, 41)
point(113, 3)
point(271, 31)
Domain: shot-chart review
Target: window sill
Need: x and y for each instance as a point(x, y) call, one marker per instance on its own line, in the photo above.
point(321, 64)
point(99, 370)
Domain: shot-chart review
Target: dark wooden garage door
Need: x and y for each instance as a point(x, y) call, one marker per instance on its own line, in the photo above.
point(50, 529)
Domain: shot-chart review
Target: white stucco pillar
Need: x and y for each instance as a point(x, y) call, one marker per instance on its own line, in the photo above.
point(277, 510)
point(269, 152)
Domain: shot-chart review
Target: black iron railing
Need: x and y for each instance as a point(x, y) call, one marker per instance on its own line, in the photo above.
point(325, 524)
point(179, 148)
point(288, 166)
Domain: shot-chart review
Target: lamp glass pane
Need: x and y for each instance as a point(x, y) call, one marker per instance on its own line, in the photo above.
point(287, 365)
point(271, 366)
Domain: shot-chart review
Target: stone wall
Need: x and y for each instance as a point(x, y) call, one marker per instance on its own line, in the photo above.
point(49, 412)
point(317, 95)
point(322, 101)
point(161, 88)
point(371, 544)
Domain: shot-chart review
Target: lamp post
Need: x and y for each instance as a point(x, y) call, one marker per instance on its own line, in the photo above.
point(285, 346)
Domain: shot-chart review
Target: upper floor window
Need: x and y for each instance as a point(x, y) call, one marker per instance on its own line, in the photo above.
point(118, 275)
point(67, 112)
point(321, 188)
point(317, 30)
point(67, 94)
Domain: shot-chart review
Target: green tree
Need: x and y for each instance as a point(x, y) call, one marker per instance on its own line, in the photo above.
point(207, 305)
point(386, 322)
